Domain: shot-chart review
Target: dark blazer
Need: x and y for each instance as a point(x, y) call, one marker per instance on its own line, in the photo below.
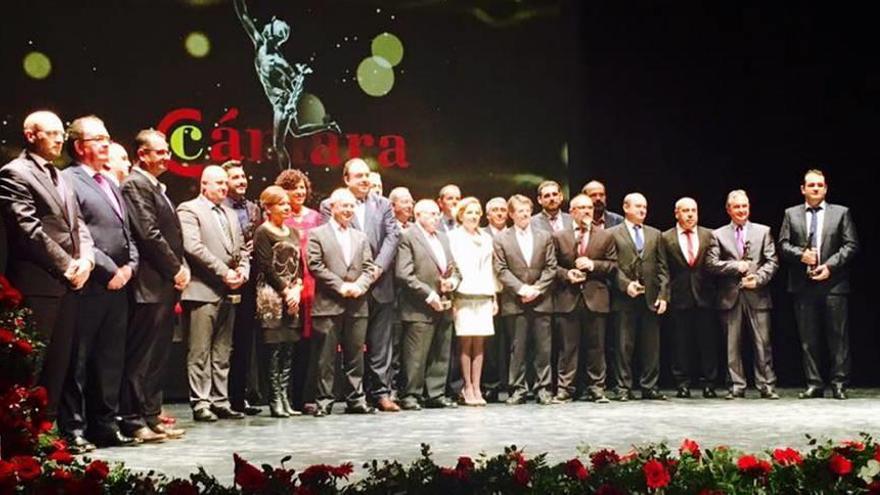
point(542, 222)
point(327, 266)
point(723, 254)
point(418, 274)
point(655, 272)
point(383, 234)
point(839, 245)
point(158, 235)
point(689, 286)
point(43, 233)
point(612, 219)
point(513, 272)
point(114, 245)
point(594, 291)
point(208, 252)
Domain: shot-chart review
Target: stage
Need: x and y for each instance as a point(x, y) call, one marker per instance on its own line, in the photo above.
point(751, 425)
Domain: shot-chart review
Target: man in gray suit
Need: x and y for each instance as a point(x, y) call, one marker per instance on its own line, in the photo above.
point(497, 350)
point(50, 249)
point(340, 259)
point(427, 275)
point(743, 256)
point(642, 285)
point(551, 218)
point(692, 289)
point(525, 262)
point(818, 240)
point(586, 257)
point(220, 263)
point(373, 216)
point(102, 320)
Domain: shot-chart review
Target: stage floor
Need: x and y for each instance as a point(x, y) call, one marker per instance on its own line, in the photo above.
point(751, 424)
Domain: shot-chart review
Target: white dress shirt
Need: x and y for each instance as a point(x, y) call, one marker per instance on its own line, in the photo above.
point(436, 248)
point(526, 243)
point(343, 237)
point(683, 241)
point(360, 212)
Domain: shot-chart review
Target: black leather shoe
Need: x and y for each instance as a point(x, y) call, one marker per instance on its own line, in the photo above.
point(204, 415)
point(683, 393)
point(544, 399)
point(410, 405)
point(79, 445)
point(360, 409)
point(735, 395)
point(226, 413)
point(321, 411)
point(653, 395)
point(709, 393)
point(115, 439)
point(562, 398)
point(515, 400)
point(599, 399)
point(246, 409)
point(769, 394)
point(491, 396)
point(440, 403)
point(624, 396)
point(811, 393)
point(839, 393)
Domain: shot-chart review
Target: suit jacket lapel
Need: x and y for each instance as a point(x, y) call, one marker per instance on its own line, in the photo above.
point(427, 247)
point(827, 225)
point(537, 251)
point(514, 245)
point(49, 188)
point(675, 247)
point(93, 185)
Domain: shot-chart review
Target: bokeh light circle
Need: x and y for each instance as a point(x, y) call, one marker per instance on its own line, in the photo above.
point(310, 109)
point(389, 47)
point(37, 65)
point(375, 76)
point(197, 44)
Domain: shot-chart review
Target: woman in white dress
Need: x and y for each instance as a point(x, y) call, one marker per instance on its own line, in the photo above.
point(474, 301)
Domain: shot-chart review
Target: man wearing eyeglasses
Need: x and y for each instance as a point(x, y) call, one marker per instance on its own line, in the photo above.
point(162, 274)
point(50, 249)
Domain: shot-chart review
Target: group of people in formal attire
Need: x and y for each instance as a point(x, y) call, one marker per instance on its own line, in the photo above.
point(401, 304)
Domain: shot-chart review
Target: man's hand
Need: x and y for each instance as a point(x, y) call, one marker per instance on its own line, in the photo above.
point(749, 281)
point(120, 278)
point(584, 263)
point(575, 276)
point(181, 280)
point(446, 285)
point(78, 272)
point(528, 294)
point(233, 279)
point(635, 289)
point(810, 257)
point(660, 306)
point(742, 266)
point(291, 299)
point(820, 273)
point(494, 306)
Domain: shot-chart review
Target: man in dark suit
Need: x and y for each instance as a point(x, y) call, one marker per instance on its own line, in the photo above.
point(90, 401)
point(642, 285)
point(427, 276)
point(818, 240)
point(743, 256)
point(525, 263)
point(586, 257)
point(50, 249)
point(220, 264)
point(447, 200)
point(162, 273)
point(402, 207)
point(497, 349)
point(373, 217)
point(551, 218)
point(603, 218)
point(340, 259)
point(242, 377)
point(692, 292)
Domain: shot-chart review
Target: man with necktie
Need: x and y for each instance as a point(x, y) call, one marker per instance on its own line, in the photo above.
point(497, 348)
point(818, 240)
point(448, 199)
point(743, 257)
point(692, 293)
point(50, 254)
point(551, 218)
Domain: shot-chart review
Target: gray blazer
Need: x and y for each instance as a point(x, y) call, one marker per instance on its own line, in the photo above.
point(513, 272)
point(383, 234)
point(44, 234)
point(541, 222)
point(418, 274)
point(723, 254)
point(840, 244)
point(208, 252)
point(327, 266)
point(111, 232)
point(655, 271)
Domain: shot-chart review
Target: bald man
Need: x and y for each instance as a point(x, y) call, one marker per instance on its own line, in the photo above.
point(50, 249)
point(219, 260)
point(118, 165)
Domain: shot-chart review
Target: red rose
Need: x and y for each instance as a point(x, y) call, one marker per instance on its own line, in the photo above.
point(839, 465)
point(576, 469)
point(518, 457)
point(787, 457)
point(27, 467)
point(39, 397)
point(61, 457)
point(23, 346)
point(6, 336)
point(9, 294)
point(877, 453)
point(180, 487)
point(97, 470)
point(856, 446)
point(689, 447)
point(465, 464)
point(753, 466)
point(62, 474)
point(521, 475)
point(342, 470)
point(604, 458)
point(247, 476)
point(7, 476)
point(656, 475)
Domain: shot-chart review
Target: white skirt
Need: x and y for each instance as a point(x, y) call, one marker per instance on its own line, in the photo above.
point(473, 317)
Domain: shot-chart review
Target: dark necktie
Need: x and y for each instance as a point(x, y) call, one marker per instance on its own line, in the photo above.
point(224, 223)
point(640, 241)
point(108, 191)
point(690, 247)
point(740, 242)
point(814, 224)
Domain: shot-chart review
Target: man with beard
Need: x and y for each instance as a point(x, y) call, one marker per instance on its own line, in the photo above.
point(603, 218)
point(550, 218)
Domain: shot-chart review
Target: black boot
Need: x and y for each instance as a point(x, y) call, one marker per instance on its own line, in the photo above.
point(286, 365)
point(276, 392)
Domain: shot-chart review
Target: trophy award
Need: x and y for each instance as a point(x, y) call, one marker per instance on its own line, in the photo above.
point(234, 262)
point(637, 273)
point(445, 301)
point(811, 246)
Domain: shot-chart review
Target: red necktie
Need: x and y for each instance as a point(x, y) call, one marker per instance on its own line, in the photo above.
point(582, 244)
point(692, 258)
